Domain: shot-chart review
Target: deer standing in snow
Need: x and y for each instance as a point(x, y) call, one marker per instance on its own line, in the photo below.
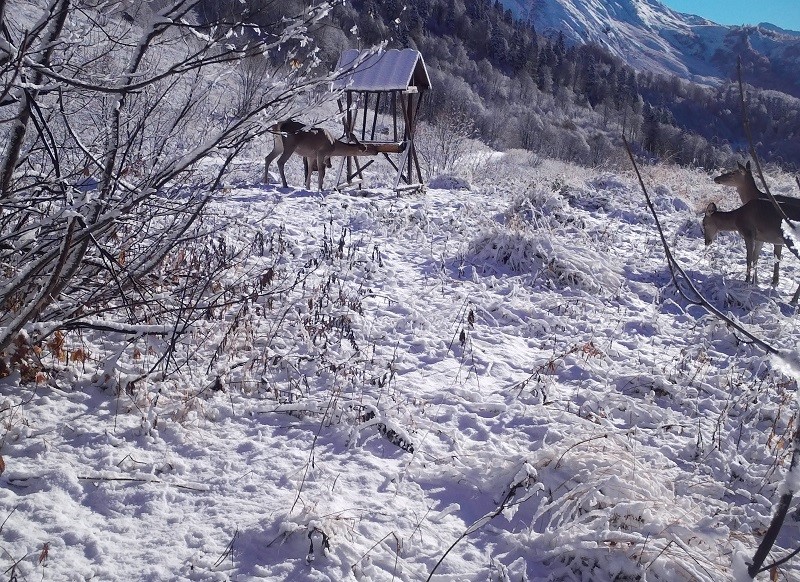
point(742, 179)
point(758, 222)
point(316, 145)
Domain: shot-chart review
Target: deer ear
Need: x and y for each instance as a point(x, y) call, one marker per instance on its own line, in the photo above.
point(747, 166)
point(711, 208)
point(741, 167)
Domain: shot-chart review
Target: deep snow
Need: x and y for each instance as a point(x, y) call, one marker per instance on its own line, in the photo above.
point(501, 379)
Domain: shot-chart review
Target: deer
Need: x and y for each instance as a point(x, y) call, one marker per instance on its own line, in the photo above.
point(758, 222)
point(316, 145)
point(742, 179)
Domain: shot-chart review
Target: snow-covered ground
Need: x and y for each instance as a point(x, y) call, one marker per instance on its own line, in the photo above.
point(498, 383)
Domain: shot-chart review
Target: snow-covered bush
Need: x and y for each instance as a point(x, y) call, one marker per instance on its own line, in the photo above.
point(554, 256)
point(449, 182)
point(544, 208)
point(616, 517)
point(117, 133)
point(547, 238)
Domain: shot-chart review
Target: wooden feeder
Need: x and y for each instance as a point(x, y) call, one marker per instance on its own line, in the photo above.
point(391, 83)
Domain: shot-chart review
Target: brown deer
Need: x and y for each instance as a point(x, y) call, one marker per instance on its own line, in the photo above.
point(758, 222)
point(742, 179)
point(316, 145)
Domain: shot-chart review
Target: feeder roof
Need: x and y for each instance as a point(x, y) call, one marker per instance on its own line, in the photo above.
point(390, 70)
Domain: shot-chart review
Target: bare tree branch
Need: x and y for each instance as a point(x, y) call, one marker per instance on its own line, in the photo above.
point(101, 179)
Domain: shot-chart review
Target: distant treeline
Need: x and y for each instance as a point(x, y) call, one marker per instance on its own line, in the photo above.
point(520, 89)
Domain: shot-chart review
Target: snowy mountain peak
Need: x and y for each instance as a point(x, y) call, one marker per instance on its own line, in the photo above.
point(585, 16)
point(650, 36)
point(779, 30)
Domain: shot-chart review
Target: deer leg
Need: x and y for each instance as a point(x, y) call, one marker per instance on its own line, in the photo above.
point(282, 162)
point(307, 169)
point(320, 171)
point(796, 296)
point(753, 250)
point(775, 274)
point(277, 149)
point(756, 255)
point(267, 161)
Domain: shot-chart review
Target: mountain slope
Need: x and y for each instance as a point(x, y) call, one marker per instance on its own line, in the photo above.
point(650, 36)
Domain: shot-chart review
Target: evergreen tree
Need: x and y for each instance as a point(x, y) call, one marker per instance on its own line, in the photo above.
point(455, 36)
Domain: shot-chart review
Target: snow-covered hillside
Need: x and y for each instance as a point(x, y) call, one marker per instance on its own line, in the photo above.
point(651, 37)
point(495, 383)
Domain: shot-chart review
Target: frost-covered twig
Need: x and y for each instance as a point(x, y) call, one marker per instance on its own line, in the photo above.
point(790, 486)
point(310, 460)
point(228, 551)
point(568, 449)
point(141, 480)
point(375, 545)
point(2, 525)
point(526, 477)
point(780, 562)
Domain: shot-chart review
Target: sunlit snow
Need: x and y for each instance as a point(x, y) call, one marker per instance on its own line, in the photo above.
point(498, 383)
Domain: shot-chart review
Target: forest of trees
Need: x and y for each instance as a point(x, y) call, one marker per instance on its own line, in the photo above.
point(524, 90)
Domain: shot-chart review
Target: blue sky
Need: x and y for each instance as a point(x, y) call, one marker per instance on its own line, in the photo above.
point(783, 13)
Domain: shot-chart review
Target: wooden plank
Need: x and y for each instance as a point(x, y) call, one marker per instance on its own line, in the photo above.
point(360, 171)
point(403, 161)
point(394, 113)
point(411, 137)
point(409, 188)
point(349, 129)
point(364, 118)
point(387, 147)
point(391, 161)
point(375, 117)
